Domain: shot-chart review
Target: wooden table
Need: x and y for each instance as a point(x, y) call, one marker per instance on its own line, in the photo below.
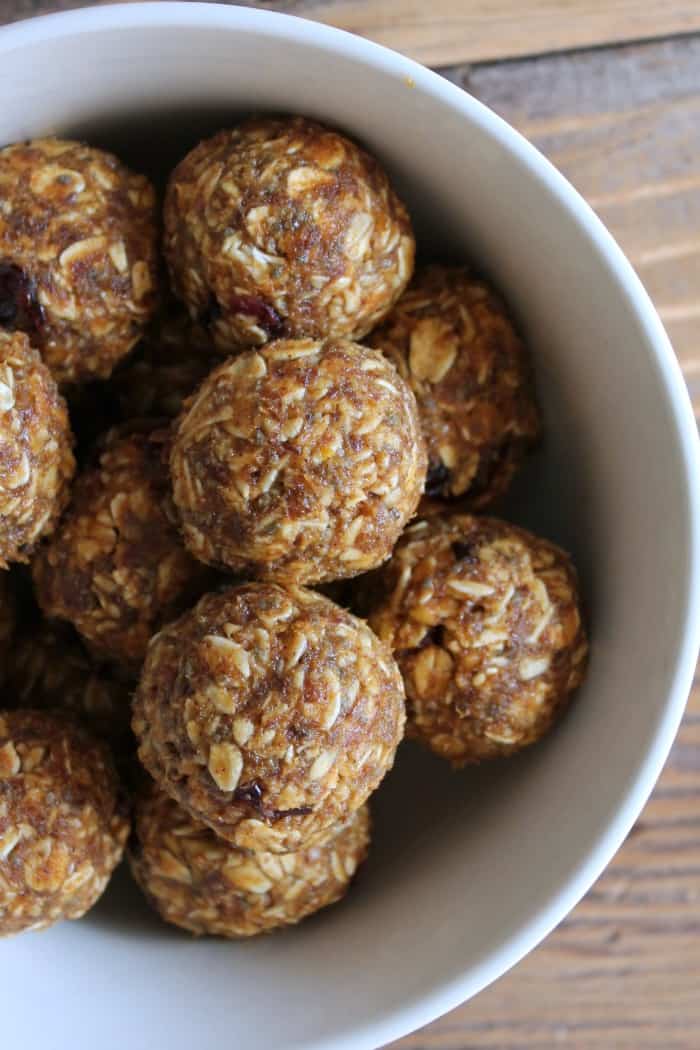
point(623, 123)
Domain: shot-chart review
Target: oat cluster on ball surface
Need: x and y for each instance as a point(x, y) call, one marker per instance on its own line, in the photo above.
point(453, 342)
point(78, 254)
point(301, 461)
point(62, 823)
point(484, 621)
point(269, 713)
point(281, 227)
point(48, 669)
point(116, 568)
point(203, 884)
point(36, 458)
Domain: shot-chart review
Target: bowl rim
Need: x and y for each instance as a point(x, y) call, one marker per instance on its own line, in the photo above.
point(131, 16)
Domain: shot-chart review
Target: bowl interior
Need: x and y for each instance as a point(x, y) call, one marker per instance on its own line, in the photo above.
point(468, 870)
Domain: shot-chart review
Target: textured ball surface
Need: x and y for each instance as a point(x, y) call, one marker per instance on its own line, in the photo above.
point(78, 254)
point(269, 713)
point(116, 568)
point(62, 825)
point(484, 621)
point(453, 342)
point(301, 461)
point(281, 227)
point(36, 458)
point(205, 885)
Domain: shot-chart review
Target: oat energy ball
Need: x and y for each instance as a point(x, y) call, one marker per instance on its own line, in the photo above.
point(62, 824)
point(78, 263)
point(484, 622)
point(116, 568)
point(207, 886)
point(301, 461)
point(281, 227)
point(453, 342)
point(49, 669)
point(36, 458)
point(269, 713)
point(176, 356)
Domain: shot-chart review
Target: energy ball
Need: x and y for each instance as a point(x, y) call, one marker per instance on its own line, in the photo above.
point(203, 884)
point(62, 822)
point(283, 228)
point(116, 568)
point(49, 669)
point(301, 461)
point(484, 621)
point(270, 714)
point(36, 458)
point(175, 358)
point(453, 342)
point(78, 254)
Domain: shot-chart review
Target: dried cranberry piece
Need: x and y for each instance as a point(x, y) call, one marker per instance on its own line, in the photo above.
point(265, 315)
point(19, 306)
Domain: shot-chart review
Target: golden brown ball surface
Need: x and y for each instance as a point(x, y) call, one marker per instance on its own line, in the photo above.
point(453, 342)
point(484, 621)
point(116, 568)
point(62, 823)
point(36, 458)
point(78, 254)
point(301, 461)
point(281, 227)
point(205, 885)
point(269, 713)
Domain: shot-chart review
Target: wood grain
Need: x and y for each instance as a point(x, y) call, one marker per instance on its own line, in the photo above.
point(623, 971)
point(446, 31)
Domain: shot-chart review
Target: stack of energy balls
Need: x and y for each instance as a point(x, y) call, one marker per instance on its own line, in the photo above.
point(267, 422)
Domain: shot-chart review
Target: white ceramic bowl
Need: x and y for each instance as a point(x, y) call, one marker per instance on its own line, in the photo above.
point(470, 870)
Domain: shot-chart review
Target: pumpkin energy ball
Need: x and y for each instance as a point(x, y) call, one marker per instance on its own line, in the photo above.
point(484, 621)
point(301, 461)
point(270, 714)
point(36, 459)
point(78, 262)
point(281, 227)
point(62, 829)
point(116, 569)
point(452, 341)
point(207, 886)
point(49, 669)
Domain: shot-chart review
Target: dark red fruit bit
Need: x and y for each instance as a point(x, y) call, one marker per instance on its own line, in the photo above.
point(252, 793)
point(266, 317)
point(438, 476)
point(463, 551)
point(19, 307)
